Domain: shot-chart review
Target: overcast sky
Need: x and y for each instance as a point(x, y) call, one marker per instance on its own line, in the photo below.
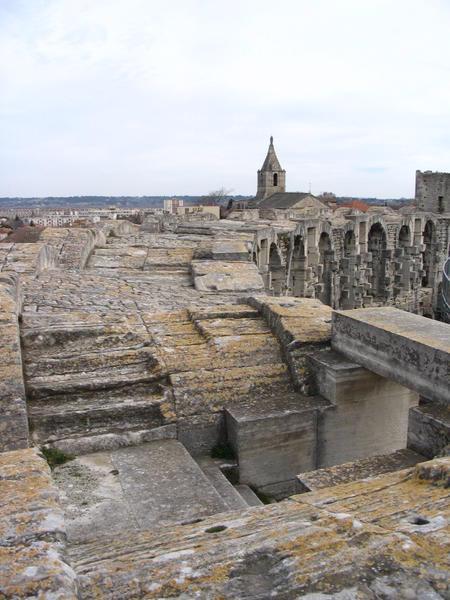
point(161, 97)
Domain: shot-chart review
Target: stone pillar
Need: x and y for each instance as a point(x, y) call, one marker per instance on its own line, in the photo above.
point(368, 416)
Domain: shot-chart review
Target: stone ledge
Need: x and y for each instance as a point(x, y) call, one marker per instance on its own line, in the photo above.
point(32, 531)
point(411, 350)
point(354, 540)
point(14, 421)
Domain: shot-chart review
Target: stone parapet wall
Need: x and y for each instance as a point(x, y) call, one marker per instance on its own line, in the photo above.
point(13, 411)
point(409, 349)
point(56, 248)
point(32, 531)
point(27, 258)
point(73, 246)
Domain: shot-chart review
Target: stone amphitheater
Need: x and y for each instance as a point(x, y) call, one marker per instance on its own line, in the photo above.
point(187, 411)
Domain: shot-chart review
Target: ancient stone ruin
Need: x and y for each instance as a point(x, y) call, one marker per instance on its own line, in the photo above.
point(187, 412)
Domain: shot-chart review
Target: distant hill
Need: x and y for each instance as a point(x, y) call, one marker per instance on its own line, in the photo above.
point(393, 202)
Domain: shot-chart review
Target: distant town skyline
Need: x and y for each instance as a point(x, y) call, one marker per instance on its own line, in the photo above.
point(103, 97)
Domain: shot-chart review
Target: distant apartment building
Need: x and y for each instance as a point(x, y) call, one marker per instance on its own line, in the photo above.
point(68, 217)
point(52, 220)
point(172, 205)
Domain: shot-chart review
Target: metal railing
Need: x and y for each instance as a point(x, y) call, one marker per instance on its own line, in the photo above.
point(446, 287)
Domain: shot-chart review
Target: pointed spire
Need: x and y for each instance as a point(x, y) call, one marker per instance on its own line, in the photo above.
point(271, 163)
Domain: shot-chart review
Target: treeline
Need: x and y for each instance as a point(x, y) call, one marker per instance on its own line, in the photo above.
point(97, 201)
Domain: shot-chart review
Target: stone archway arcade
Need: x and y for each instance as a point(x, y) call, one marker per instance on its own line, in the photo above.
point(362, 263)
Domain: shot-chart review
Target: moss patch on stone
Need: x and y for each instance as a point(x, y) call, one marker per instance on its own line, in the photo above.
point(55, 457)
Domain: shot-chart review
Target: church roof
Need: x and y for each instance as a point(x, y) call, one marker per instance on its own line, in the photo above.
point(290, 199)
point(271, 163)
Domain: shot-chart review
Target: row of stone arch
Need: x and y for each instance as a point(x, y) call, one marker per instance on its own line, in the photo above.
point(362, 262)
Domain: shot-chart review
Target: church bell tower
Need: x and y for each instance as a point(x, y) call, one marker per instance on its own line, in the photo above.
point(271, 177)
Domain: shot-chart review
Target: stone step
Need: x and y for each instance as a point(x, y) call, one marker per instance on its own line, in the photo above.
point(96, 414)
point(359, 469)
point(206, 391)
point(248, 495)
point(92, 376)
point(80, 444)
point(135, 359)
point(213, 328)
point(229, 494)
point(133, 489)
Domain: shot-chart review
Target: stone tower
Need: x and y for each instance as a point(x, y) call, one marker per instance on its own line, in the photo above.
point(433, 191)
point(271, 177)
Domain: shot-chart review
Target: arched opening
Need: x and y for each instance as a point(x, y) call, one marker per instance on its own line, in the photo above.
point(275, 179)
point(404, 237)
point(325, 268)
point(276, 271)
point(376, 245)
point(349, 243)
point(298, 267)
point(255, 258)
point(429, 239)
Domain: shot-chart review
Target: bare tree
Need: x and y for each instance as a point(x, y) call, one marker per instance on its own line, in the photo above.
point(216, 197)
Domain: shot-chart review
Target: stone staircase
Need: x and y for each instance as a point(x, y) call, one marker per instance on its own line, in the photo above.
point(95, 380)
point(88, 376)
point(230, 495)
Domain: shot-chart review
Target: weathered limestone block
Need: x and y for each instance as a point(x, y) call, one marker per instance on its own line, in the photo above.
point(75, 332)
point(295, 321)
point(73, 246)
point(367, 539)
point(151, 224)
point(116, 227)
point(168, 258)
point(429, 428)
point(89, 442)
point(224, 311)
point(100, 412)
point(27, 257)
point(121, 257)
point(359, 469)
point(207, 391)
point(212, 328)
point(302, 326)
point(227, 250)
point(13, 411)
point(223, 276)
point(32, 531)
point(411, 350)
point(109, 369)
point(274, 438)
point(367, 409)
point(132, 489)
